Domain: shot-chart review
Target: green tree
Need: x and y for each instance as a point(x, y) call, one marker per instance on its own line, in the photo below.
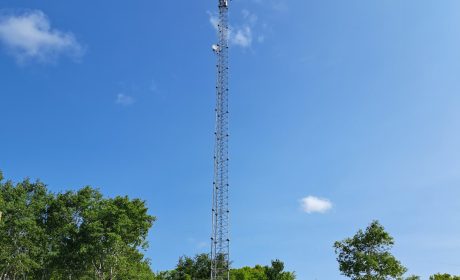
point(257, 272)
point(413, 277)
point(199, 268)
point(276, 271)
point(67, 213)
point(445, 276)
point(22, 235)
point(366, 256)
point(111, 232)
point(196, 268)
point(72, 235)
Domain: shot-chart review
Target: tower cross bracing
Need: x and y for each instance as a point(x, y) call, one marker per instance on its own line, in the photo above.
point(220, 240)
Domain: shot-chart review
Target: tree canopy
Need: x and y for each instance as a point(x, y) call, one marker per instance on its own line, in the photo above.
point(445, 276)
point(71, 235)
point(83, 235)
point(366, 255)
point(199, 268)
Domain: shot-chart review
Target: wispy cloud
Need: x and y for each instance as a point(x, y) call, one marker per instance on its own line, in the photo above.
point(241, 35)
point(249, 17)
point(125, 100)
point(313, 204)
point(280, 5)
point(30, 36)
point(214, 20)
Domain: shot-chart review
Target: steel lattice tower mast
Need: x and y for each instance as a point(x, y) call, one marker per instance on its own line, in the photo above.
point(220, 240)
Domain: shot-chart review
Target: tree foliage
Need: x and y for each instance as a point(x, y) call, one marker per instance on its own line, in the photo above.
point(366, 256)
point(445, 276)
point(257, 272)
point(199, 268)
point(276, 271)
point(72, 235)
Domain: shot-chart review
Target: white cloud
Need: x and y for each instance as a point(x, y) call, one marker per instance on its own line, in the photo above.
point(214, 20)
point(313, 204)
point(249, 17)
point(30, 36)
point(124, 99)
point(241, 36)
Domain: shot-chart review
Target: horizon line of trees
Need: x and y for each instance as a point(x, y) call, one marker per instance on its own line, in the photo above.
point(83, 235)
point(199, 268)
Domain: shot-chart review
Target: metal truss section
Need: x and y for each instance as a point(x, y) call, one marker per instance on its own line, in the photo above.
point(220, 240)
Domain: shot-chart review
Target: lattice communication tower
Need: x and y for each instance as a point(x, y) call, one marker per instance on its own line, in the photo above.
point(220, 240)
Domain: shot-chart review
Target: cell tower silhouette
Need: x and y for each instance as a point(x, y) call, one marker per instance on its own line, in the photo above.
point(220, 240)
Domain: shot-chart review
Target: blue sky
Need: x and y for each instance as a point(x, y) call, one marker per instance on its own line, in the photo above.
point(352, 102)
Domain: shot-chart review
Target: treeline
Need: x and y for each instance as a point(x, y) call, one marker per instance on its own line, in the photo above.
point(84, 235)
point(199, 268)
point(71, 235)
